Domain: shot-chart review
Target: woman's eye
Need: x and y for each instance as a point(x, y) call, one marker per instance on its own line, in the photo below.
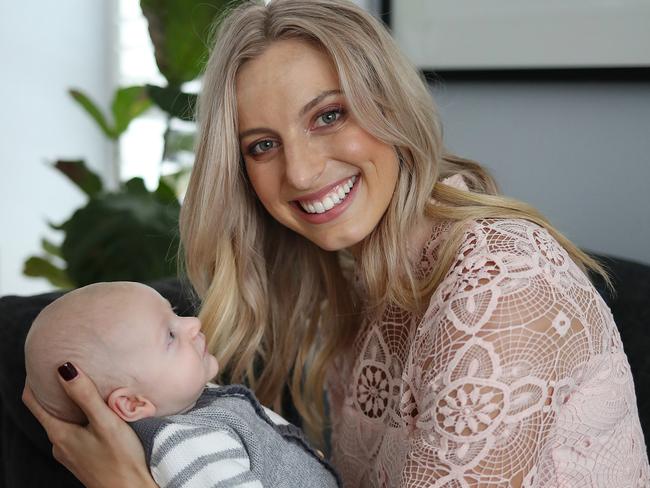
point(261, 147)
point(329, 117)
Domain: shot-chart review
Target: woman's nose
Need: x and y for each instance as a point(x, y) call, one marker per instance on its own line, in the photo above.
point(303, 164)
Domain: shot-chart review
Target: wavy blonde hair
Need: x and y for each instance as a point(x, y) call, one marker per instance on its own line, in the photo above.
point(277, 309)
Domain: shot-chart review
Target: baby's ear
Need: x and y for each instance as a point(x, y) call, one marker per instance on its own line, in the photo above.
point(129, 406)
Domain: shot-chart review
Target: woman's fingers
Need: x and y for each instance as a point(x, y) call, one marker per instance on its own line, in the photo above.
point(83, 392)
point(104, 454)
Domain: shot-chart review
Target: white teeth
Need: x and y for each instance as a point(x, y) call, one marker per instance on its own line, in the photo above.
point(331, 200)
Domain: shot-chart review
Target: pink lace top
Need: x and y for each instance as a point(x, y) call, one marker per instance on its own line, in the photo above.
point(514, 376)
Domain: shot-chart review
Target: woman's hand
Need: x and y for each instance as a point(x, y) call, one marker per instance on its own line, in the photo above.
point(104, 453)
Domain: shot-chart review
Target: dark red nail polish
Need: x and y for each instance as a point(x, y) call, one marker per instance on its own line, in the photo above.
point(67, 371)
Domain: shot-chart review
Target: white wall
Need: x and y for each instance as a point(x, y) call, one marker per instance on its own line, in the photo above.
point(578, 151)
point(456, 34)
point(46, 48)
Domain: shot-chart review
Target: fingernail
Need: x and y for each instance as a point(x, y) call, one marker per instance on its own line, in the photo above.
point(67, 371)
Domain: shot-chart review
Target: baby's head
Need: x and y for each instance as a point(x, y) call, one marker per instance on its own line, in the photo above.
point(144, 359)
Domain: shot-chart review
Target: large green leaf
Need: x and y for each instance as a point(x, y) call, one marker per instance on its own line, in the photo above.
point(128, 103)
point(93, 110)
point(178, 142)
point(130, 235)
point(51, 248)
point(39, 267)
point(165, 193)
point(136, 186)
point(173, 101)
point(80, 175)
point(180, 30)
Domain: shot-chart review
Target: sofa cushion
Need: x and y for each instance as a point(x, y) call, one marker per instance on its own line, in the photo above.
point(630, 306)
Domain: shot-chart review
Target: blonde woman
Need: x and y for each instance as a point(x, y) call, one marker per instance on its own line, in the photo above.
point(337, 247)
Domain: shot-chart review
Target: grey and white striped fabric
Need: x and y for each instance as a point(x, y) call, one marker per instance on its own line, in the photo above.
point(228, 439)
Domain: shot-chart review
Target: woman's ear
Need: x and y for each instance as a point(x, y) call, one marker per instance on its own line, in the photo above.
point(129, 406)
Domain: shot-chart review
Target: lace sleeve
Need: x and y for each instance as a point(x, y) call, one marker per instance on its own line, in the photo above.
point(500, 349)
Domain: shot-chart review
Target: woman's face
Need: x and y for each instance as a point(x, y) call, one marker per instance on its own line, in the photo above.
point(311, 164)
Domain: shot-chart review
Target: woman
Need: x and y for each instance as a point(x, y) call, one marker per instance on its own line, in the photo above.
point(336, 245)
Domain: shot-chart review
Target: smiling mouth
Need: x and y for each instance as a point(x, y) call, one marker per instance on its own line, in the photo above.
point(332, 199)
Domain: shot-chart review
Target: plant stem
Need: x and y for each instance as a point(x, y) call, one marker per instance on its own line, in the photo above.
point(113, 173)
point(166, 136)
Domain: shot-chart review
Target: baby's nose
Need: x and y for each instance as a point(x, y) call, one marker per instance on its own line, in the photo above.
point(193, 325)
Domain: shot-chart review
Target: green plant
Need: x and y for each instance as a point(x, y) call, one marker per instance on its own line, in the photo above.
point(127, 104)
point(180, 56)
point(126, 234)
point(130, 233)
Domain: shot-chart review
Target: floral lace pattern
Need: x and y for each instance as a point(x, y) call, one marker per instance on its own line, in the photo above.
point(514, 376)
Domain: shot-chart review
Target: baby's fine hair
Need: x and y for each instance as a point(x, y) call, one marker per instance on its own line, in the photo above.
point(73, 328)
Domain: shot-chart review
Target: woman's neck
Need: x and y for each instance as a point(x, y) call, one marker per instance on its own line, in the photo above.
point(355, 250)
point(416, 241)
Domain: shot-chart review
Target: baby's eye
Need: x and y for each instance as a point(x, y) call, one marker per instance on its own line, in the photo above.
point(171, 335)
point(329, 117)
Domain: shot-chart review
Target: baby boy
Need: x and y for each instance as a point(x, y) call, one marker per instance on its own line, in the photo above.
point(151, 367)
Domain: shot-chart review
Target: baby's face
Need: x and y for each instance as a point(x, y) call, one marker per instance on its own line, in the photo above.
point(166, 354)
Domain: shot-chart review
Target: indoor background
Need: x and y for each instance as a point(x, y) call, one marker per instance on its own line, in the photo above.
point(577, 149)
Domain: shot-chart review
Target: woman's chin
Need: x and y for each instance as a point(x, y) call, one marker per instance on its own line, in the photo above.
point(345, 236)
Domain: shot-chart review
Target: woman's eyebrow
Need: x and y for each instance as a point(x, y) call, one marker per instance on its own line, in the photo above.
point(248, 132)
point(317, 100)
point(308, 106)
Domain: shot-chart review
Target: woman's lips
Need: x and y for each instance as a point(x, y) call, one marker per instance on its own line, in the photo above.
point(334, 212)
point(323, 192)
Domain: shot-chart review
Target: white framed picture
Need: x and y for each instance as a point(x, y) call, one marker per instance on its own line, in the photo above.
point(522, 34)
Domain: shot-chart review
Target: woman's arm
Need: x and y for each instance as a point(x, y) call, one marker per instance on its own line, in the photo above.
point(102, 454)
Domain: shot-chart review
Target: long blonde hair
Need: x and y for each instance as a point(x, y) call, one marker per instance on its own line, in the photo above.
point(276, 308)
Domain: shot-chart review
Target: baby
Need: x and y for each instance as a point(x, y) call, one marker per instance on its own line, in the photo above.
point(151, 367)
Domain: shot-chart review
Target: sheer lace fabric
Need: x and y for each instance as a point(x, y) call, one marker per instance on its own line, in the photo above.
point(514, 376)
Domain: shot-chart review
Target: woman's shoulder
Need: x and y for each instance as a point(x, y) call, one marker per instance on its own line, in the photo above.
point(511, 278)
point(511, 240)
point(512, 266)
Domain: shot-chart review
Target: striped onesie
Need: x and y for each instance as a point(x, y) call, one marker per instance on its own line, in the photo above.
point(228, 439)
